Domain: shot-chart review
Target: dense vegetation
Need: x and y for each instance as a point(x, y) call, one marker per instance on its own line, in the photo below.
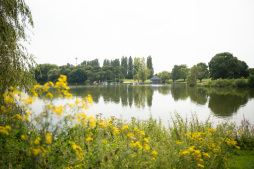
point(35, 140)
point(90, 71)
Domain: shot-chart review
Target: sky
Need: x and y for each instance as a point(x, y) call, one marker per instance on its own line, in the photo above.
point(172, 32)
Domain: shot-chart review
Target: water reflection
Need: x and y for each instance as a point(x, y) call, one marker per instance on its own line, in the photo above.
point(221, 101)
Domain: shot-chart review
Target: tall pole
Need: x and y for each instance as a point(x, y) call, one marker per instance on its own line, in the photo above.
point(76, 60)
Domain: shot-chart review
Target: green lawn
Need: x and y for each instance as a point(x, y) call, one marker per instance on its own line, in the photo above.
point(135, 81)
point(169, 81)
point(243, 159)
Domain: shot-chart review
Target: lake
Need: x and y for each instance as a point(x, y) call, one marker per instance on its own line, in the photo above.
point(162, 101)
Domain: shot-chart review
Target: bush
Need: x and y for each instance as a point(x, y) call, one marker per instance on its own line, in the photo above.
point(240, 82)
point(222, 82)
point(251, 80)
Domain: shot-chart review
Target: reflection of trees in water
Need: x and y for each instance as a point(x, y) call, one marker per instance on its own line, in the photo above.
point(164, 90)
point(143, 95)
point(84, 91)
point(179, 92)
point(197, 95)
point(127, 94)
point(222, 101)
point(225, 105)
point(226, 101)
point(130, 95)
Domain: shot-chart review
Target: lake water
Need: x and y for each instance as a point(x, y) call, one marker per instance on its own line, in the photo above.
point(162, 101)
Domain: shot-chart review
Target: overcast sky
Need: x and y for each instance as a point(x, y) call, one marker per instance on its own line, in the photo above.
point(171, 31)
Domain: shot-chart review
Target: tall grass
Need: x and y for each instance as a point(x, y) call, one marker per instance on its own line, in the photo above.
point(77, 141)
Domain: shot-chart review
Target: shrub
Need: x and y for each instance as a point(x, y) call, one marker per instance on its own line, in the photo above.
point(240, 82)
point(221, 82)
point(251, 80)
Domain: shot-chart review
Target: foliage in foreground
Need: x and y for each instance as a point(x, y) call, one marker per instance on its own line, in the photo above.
point(30, 140)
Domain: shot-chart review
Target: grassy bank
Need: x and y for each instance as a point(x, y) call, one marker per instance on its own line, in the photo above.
point(242, 159)
point(78, 141)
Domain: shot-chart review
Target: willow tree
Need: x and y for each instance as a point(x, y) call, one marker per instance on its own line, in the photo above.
point(141, 68)
point(15, 62)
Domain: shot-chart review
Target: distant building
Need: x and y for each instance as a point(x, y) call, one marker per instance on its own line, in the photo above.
point(155, 80)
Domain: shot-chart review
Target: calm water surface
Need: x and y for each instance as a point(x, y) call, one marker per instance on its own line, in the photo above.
point(162, 101)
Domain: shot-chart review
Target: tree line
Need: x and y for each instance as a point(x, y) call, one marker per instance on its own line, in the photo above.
point(222, 65)
point(91, 71)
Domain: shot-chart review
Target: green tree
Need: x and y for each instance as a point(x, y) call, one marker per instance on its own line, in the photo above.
point(130, 68)
point(251, 71)
point(77, 76)
point(64, 70)
point(225, 65)
point(204, 70)
point(150, 66)
point(53, 74)
point(184, 71)
point(108, 73)
point(124, 64)
point(16, 65)
point(94, 62)
point(142, 70)
point(176, 71)
point(164, 76)
point(115, 63)
point(106, 62)
point(195, 73)
point(41, 74)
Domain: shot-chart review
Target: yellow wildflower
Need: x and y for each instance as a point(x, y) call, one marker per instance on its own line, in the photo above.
point(76, 147)
point(70, 105)
point(185, 152)
point(5, 129)
point(92, 121)
point(125, 127)
point(37, 140)
point(178, 142)
point(155, 153)
point(37, 86)
point(146, 140)
point(142, 133)
point(206, 155)
point(49, 106)
point(116, 131)
point(3, 109)
point(49, 95)
point(51, 83)
point(58, 110)
point(200, 165)
point(89, 138)
point(24, 137)
point(8, 99)
point(103, 125)
point(136, 129)
point(48, 138)
point(17, 117)
point(147, 148)
point(130, 135)
point(105, 141)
